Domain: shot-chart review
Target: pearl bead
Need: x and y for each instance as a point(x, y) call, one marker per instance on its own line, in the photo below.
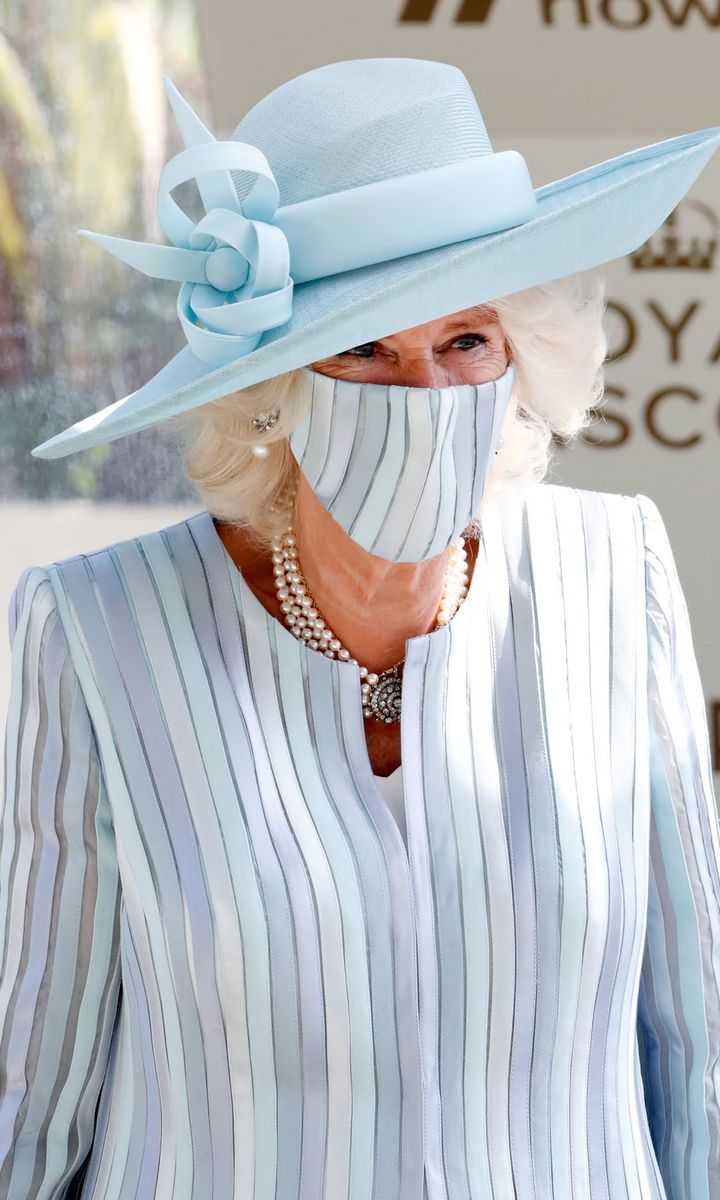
point(291, 619)
point(286, 606)
point(326, 634)
point(363, 672)
point(335, 644)
point(313, 644)
point(372, 677)
point(278, 570)
point(283, 593)
point(344, 654)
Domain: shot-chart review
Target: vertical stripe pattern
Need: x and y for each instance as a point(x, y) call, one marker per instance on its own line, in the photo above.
point(401, 469)
point(225, 975)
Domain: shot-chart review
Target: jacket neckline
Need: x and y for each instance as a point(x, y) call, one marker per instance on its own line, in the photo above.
point(250, 602)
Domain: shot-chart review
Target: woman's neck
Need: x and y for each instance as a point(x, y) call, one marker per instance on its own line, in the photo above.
point(372, 605)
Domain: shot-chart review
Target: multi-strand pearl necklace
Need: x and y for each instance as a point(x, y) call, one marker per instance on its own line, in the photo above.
point(381, 694)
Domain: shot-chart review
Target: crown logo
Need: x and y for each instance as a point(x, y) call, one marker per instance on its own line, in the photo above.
point(686, 241)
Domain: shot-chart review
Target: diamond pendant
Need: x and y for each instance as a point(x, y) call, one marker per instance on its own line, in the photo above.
point(385, 699)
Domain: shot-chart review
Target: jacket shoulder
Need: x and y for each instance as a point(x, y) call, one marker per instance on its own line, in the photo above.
point(549, 527)
point(56, 581)
point(556, 501)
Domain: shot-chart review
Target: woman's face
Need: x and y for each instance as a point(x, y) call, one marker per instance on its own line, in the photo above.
point(464, 347)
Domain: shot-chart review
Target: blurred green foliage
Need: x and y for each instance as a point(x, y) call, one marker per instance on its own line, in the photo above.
point(84, 133)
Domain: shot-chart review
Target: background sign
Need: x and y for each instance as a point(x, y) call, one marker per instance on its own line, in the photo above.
point(538, 67)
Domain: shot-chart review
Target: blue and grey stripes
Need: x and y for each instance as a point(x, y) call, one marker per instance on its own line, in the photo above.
point(401, 469)
point(224, 977)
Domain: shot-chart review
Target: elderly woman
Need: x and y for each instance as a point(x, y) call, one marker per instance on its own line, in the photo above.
point(360, 840)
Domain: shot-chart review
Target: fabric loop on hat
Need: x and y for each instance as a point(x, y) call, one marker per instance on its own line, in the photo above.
point(246, 287)
point(223, 336)
point(233, 264)
point(212, 162)
point(264, 246)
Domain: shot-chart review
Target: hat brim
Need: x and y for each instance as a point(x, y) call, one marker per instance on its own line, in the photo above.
point(583, 220)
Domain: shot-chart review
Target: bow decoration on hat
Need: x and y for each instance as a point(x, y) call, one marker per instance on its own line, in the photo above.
point(233, 264)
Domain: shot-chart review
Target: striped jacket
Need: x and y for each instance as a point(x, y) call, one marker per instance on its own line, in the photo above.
point(223, 975)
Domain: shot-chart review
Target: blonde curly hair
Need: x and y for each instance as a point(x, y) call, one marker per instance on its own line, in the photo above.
point(556, 336)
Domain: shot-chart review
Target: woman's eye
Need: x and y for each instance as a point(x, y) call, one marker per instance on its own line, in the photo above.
point(470, 337)
point(366, 350)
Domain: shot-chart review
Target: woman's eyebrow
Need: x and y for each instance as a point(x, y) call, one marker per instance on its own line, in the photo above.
point(479, 313)
point(473, 314)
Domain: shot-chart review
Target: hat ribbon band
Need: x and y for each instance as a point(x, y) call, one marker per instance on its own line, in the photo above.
point(406, 214)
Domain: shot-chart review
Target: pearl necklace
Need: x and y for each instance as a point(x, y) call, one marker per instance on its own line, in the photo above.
point(381, 694)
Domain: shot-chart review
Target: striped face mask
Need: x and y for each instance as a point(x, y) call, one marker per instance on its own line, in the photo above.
point(401, 469)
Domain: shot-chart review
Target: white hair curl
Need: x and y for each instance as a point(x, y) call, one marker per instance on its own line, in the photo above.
point(556, 336)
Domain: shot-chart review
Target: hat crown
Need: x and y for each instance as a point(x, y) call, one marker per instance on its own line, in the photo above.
point(351, 123)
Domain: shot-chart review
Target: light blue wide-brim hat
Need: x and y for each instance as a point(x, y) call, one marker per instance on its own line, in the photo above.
point(359, 199)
